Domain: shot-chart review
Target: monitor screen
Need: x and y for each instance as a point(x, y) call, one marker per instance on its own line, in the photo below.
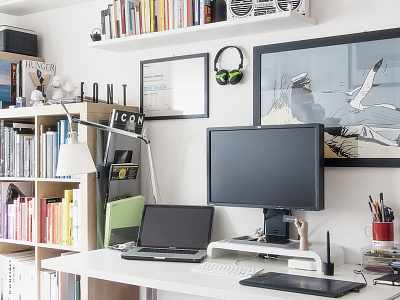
point(273, 167)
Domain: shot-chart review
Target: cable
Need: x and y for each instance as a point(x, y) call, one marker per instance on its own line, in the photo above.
point(235, 263)
point(123, 247)
point(360, 272)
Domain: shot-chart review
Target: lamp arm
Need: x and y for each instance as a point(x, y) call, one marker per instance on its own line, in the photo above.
point(153, 178)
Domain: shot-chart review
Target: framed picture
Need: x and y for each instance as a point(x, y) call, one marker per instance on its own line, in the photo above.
point(174, 87)
point(349, 83)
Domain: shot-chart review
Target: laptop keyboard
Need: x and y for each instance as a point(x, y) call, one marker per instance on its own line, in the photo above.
point(168, 250)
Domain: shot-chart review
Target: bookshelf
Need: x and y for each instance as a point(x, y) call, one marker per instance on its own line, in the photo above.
point(202, 33)
point(26, 7)
point(50, 187)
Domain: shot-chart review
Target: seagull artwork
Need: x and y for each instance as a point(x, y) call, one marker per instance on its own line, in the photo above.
point(363, 90)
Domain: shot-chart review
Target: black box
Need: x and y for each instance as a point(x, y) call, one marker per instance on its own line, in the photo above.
point(18, 40)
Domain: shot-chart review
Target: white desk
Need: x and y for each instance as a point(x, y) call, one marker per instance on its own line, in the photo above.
point(178, 277)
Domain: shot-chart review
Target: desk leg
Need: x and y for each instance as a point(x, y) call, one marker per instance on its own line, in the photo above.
point(151, 294)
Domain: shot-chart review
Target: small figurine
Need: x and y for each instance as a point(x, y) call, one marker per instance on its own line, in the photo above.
point(260, 235)
point(56, 84)
point(302, 229)
point(37, 98)
point(69, 88)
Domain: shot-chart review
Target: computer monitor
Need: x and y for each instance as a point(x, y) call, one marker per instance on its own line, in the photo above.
point(278, 168)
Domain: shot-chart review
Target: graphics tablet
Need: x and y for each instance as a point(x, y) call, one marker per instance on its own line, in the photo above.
point(303, 284)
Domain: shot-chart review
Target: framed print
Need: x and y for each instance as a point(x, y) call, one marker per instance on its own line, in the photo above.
point(174, 87)
point(349, 83)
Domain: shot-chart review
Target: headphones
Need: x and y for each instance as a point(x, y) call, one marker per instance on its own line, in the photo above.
point(223, 76)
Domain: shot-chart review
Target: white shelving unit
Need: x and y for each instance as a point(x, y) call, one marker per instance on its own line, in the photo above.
point(202, 33)
point(54, 187)
point(26, 7)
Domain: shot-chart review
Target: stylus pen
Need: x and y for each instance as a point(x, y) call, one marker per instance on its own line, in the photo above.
point(395, 296)
point(328, 248)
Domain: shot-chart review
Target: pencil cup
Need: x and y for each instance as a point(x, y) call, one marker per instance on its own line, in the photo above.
point(382, 234)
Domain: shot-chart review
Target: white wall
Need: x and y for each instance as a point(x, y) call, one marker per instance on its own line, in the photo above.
point(179, 146)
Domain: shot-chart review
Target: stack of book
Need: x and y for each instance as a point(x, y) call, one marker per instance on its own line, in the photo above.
point(51, 138)
point(17, 149)
point(17, 211)
point(60, 219)
point(124, 17)
point(18, 278)
point(56, 285)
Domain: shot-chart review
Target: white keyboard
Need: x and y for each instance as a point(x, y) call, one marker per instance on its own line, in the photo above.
point(226, 269)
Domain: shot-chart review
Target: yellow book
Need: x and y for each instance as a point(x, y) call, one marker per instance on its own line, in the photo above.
point(68, 197)
point(152, 16)
point(71, 224)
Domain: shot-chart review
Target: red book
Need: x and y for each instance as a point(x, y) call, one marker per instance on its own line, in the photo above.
point(123, 19)
point(43, 218)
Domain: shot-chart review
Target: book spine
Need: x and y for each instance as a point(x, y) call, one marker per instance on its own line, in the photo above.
point(2, 201)
point(49, 154)
point(76, 219)
point(2, 148)
point(55, 154)
point(5, 220)
point(43, 152)
point(11, 217)
point(32, 171)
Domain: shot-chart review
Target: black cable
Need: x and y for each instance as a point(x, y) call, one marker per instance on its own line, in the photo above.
point(360, 272)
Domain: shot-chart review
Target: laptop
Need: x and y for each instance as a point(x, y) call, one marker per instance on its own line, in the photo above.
point(303, 284)
point(173, 233)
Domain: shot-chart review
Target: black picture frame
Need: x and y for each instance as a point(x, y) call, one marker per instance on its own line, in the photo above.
point(337, 68)
point(175, 87)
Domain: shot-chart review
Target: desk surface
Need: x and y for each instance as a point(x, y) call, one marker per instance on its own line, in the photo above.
point(178, 277)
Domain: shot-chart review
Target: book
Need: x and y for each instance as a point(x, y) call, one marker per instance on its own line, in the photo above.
point(122, 214)
point(66, 201)
point(10, 263)
point(76, 219)
point(35, 75)
point(388, 279)
point(49, 231)
point(8, 88)
point(45, 276)
point(10, 194)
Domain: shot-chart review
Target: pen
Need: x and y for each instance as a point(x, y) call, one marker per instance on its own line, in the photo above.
point(370, 208)
point(378, 211)
point(382, 207)
point(328, 248)
point(374, 209)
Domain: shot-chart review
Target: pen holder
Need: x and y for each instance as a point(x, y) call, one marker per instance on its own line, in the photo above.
point(382, 234)
point(329, 268)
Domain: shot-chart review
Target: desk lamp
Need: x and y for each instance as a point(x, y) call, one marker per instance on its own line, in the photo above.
point(69, 162)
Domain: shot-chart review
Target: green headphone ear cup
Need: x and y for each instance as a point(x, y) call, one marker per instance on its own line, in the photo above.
point(222, 77)
point(235, 76)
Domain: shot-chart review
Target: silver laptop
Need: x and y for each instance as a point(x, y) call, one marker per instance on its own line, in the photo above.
point(173, 233)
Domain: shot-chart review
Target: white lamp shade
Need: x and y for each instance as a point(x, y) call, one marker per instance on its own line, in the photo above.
point(74, 158)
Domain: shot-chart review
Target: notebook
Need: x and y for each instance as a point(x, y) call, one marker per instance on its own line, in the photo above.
point(303, 284)
point(173, 233)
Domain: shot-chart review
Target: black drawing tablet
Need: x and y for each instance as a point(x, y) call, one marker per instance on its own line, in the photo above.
point(303, 284)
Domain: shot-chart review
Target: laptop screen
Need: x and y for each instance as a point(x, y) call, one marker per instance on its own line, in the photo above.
point(187, 227)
